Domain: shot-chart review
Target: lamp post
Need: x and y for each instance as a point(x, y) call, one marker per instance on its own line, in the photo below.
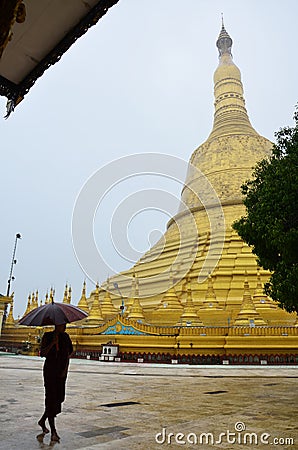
point(13, 262)
point(11, 277)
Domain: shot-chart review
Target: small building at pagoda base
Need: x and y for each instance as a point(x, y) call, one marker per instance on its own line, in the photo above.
point(110, 352)
point(177, 317)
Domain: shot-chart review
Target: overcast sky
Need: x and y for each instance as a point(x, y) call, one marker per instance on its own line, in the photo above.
point(141, 80)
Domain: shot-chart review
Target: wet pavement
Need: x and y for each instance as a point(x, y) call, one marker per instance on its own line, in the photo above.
point(146, 406)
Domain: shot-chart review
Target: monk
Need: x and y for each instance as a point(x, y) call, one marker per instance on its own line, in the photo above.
point(56, 346)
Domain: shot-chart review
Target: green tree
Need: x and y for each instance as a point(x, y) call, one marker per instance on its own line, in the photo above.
point(270, 225)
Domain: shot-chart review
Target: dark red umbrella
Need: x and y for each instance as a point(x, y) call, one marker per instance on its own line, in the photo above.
point(53, 314)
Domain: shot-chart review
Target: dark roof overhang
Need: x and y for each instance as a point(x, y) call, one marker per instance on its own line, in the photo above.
point(36, 40)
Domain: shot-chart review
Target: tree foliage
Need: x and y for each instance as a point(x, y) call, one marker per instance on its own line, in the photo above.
point(270, 225)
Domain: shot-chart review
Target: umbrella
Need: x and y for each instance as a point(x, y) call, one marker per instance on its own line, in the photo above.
point(53, 314)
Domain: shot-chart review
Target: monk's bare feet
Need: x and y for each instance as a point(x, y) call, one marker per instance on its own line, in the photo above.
point(40, 437)
point(55, 437)
point(43, 426)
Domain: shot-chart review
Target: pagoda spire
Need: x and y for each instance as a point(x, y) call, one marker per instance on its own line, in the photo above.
point(233, 147)
point(170, 300)
point(224, 42)
point(10, 320)
point(136, 310)
point(47, 300)
point(133, 293)
point(69, 295)
point(260, 298)
point(107, 308)
point(65, 298)
point(34, 301)
point(33, 305)
point(170, 308)
point(83, 301)
point(210, 297)
point(38, 302)
point(189, 317)
point(230, 115)
point(248, 314)
point(28, 309)
point(52, 295)
point(130, 300)
point(95, 315)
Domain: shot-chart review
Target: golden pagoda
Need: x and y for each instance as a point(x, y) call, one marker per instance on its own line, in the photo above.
point(95, 314)
point(10, 320)
point(83, 301)
point(198, 294)
point(107, 308)
point(65, 297)
point(28, 308)
point(210, 298)
point(189, 317)
point(169, 309)
point(136, 311)
point(199, 240)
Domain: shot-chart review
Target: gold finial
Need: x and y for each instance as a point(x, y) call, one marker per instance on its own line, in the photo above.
point(224, 41)
point(65, 295)
point(28, 308)
point(38, 303)
point(84, 288)
point(52, 294)
point(83, 301)
point(10, 319)
point(222, 20)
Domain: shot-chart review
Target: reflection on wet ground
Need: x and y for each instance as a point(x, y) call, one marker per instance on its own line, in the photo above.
point(124, 406)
